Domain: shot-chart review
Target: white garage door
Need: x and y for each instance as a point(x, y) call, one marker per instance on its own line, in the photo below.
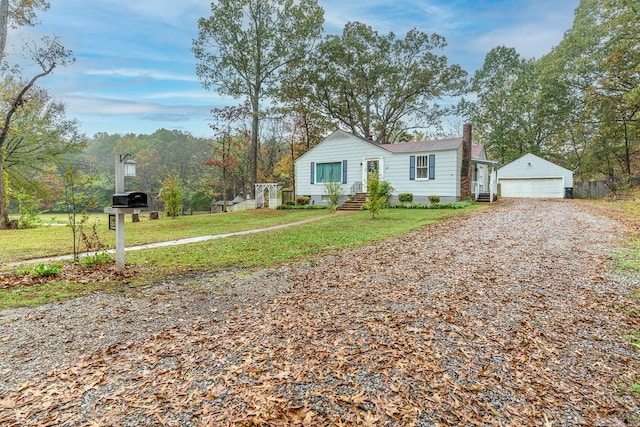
point(539, 187)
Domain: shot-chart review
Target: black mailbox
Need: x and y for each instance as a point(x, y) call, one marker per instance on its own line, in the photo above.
point(131, 199)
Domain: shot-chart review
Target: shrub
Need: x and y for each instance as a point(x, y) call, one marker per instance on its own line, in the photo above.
point(96, 259)
point(405, 198)
point(46, 270)
point(92, 241)
point(434, 199)
point(455, 205)
point(303, 200)
point(302, 207)
point(333, 190)
point(385, 190)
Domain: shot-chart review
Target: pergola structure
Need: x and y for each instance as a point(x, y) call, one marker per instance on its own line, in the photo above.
point(273, 201)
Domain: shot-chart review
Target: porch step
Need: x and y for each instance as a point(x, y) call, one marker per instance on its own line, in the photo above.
point(354, 203)
point(484, 197)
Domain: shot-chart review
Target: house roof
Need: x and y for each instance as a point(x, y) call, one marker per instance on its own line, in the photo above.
point(434, 145)
point(477, 150)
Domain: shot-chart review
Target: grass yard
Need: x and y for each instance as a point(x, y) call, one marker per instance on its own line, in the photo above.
point(629, 258)
point(47, 241)
point(333, 232)
point(264, 249)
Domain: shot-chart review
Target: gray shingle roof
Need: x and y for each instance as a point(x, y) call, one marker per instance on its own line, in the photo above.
point(411, 147)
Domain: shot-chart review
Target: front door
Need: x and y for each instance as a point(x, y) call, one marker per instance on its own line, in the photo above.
point(370, 166)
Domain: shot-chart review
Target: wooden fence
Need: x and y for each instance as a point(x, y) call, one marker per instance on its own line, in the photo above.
point(590, 190)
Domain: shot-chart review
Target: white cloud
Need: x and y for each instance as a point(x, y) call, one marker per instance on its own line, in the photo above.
point(141, 73)
point(209, 95)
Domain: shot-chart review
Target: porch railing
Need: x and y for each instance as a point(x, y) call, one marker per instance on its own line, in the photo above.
point(355, 188)
point(478, 188)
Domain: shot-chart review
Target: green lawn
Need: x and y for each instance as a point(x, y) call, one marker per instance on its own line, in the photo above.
point(332, 232)
point(46, 241)
point(268, 248)
point(629, 259)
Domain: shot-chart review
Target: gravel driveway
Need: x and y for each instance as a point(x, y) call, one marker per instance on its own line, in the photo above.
point(502, 317)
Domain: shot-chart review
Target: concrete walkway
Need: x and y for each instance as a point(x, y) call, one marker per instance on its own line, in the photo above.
point(172, 242)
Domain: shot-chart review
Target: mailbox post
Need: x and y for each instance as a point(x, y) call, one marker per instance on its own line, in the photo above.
point(124, 167)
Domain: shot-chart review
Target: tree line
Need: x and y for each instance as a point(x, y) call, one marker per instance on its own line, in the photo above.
point(577, 105)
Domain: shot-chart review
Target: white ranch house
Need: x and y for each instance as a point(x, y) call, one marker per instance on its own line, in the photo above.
point(452, 169)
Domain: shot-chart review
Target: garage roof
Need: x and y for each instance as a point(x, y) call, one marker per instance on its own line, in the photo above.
point(533, 167)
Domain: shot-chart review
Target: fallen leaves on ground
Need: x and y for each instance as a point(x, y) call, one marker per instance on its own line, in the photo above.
point(504, 317)
point(70, 272)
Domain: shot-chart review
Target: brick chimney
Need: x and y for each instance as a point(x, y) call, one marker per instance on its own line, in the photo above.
point(465, 168)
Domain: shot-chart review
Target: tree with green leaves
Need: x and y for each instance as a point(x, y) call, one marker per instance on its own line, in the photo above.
point(616, 95)
point(40, 136)
point(378, 193)
point(14, 14)
point(505, 114)
point(380, 86)
point(171, 193)
point(49, 55)
point(592, 81)
point(244, 45)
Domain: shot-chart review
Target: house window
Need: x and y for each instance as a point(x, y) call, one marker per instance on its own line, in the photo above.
point(422, 167)
point(329, 172)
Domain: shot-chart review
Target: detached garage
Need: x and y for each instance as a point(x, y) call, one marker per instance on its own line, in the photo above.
point(534, 177)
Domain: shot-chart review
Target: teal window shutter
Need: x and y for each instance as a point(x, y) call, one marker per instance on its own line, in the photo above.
point(313, 167)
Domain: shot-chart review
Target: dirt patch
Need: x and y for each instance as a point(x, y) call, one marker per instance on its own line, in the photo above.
point(503, 317)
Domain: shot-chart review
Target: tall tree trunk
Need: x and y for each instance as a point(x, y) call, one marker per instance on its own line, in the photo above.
point(225, 160)
point(627, 152)
point(293, 167)
point(4, 210)
point(4, 24)
point(255, 122)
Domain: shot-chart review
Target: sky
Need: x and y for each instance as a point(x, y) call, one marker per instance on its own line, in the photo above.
point(135, 72)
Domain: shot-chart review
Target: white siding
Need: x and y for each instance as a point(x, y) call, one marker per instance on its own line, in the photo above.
point(445, 184)
point(532, 166)
point(532, 176)
point(341, 146)
point(337, 147)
